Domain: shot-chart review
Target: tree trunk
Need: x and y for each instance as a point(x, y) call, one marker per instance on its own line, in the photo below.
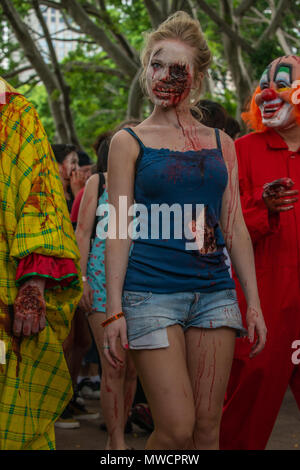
point(125, 63)
point(44, 72)
point(58, 117)
point(135, 98)
point(235, 60)
point(64, 88)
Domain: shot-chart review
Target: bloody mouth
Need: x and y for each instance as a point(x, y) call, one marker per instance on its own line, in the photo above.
point(164, 92)
point(175, 86)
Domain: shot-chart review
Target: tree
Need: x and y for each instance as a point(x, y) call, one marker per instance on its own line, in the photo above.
point(240, 44)
point(58, 91)
point(99, 81)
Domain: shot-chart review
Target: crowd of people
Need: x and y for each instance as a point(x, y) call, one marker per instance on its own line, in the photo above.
point(155, 331)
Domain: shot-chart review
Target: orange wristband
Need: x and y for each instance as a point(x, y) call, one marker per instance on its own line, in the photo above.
point(111, 319)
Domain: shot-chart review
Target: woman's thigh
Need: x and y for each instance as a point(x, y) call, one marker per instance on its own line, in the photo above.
point(165, 380)
point(209, 358)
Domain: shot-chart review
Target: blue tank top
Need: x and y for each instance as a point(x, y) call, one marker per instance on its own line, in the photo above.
point(162, 263)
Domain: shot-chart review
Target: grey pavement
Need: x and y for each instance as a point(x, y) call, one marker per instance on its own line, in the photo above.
point(285, 435)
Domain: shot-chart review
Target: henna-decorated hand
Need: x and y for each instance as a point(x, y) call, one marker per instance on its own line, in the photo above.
point(30, 308)
point(278, 195)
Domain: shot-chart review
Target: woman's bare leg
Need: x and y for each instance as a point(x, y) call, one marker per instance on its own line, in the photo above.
point(165, 380)
point(209, 358)
point(112, 389)
point(129, 386)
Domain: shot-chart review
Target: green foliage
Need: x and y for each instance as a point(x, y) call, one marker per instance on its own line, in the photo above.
point(98, 104)
point(99, 100)
point(263, 56)
point(39, 98)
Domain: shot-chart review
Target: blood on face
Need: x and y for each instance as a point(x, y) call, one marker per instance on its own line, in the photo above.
point(169, 74)
point(175, 86)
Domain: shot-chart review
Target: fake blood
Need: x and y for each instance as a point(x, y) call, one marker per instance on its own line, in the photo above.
point(6, 323)
point(213, 377)
point(175, 87)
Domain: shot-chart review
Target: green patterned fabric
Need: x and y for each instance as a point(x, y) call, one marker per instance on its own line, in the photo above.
point(35, 385)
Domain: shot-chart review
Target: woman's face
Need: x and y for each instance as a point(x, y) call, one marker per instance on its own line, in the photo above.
point(170, 72)
point(69, 164)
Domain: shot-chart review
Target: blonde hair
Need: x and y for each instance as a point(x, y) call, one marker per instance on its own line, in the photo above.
point(184, 28)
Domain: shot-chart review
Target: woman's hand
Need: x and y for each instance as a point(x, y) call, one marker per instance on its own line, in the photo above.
point(30, 308)
point(113, 331)
point(256, 323)
point(86, 301)
point(77, 181)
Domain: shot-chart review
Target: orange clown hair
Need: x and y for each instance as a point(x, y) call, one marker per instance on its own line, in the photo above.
point(252, 117)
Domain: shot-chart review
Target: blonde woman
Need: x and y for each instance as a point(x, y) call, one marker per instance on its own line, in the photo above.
point(181, 312)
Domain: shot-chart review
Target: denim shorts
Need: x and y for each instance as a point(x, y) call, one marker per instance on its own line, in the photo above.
point(149, 314)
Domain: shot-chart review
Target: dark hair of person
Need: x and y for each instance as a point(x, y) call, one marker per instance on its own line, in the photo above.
point(94, 168)
point(61, 151)
point(84, 158)
point(101, 147)
point(232, 127)
point(213, 114)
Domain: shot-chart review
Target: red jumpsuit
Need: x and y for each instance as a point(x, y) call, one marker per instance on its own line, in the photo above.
point(257, 386)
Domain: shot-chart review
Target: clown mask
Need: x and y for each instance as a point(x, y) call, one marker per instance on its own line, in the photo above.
point(276, 100)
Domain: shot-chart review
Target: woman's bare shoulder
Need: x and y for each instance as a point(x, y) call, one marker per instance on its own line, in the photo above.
point(123, 143)
point(122, 137)
point(228, 148)
point(226, 140)
point(91, 186)
point(93, 180)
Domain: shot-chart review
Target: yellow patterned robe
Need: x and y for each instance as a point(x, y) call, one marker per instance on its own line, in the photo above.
point(35, 385)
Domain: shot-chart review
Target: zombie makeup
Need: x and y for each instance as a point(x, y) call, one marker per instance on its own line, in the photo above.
point(169, 74)
point(274, 101)
point(69, 164)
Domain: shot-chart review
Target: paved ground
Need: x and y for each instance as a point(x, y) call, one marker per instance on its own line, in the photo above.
point(285, 436)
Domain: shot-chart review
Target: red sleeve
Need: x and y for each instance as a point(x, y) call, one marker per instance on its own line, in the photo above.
point(259, 221)
point(57, 271)
point(76, 205)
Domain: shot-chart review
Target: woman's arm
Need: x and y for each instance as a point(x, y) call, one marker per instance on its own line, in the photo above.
point(85, 223)
point(121, 174)
point(239, 246)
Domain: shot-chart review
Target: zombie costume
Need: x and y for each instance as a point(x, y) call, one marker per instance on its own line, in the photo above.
point(162, 265)
point(257, 385)
point(36, 239)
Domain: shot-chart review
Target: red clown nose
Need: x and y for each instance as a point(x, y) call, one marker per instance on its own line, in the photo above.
point(268, 94)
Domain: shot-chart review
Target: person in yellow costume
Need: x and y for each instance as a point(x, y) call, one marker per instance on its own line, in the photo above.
point(40, 284)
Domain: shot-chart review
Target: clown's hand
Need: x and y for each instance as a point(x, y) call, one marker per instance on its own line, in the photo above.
point(30, 308)
point(278, 195)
